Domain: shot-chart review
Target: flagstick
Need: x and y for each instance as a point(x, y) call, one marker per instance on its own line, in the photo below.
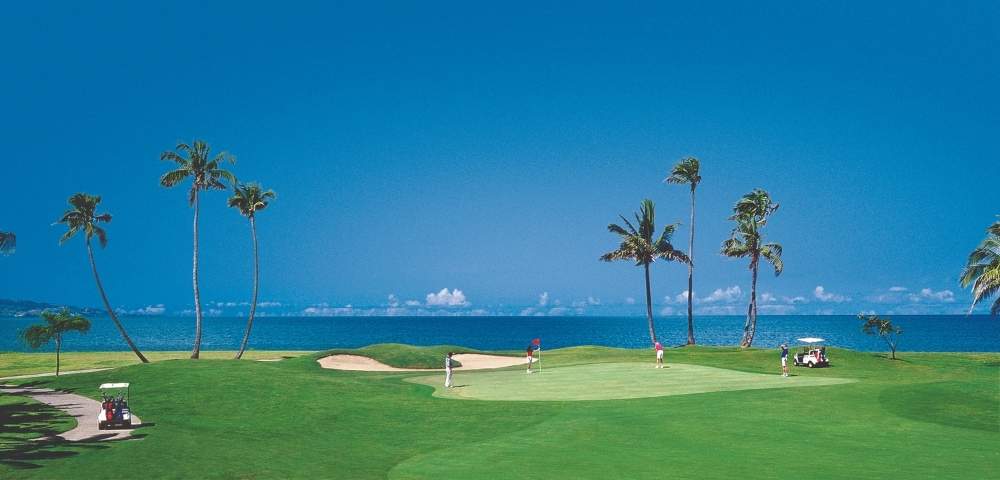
point(539, 359)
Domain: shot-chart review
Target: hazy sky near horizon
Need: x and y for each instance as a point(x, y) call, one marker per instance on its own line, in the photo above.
point(418, 147)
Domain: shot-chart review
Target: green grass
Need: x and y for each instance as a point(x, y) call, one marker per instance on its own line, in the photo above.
point(19, 363)
point(609, 381)
point(925, 416)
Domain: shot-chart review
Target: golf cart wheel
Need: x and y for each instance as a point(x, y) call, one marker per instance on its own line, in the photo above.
point(128, 424)
point(810, 364)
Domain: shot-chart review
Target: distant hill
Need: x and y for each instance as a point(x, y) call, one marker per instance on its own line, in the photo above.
point(28, 308)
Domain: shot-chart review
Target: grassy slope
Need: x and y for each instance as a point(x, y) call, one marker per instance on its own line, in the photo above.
point(19, 363)
point(22, 420)
point(927, 416)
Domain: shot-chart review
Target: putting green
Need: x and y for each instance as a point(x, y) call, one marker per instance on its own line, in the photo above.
point(608, 381)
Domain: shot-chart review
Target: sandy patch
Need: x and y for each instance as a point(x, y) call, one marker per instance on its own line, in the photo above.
point(469, 361)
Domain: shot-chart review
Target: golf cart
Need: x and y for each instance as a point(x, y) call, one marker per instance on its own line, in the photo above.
point(811, 355)
point(115, 411)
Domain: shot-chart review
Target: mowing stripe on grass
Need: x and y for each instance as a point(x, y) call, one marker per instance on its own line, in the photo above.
point(608, 381)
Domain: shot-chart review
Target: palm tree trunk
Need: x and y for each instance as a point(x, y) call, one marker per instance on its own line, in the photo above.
point(691, 275)
point(58, 347)
point(751, 326)
point(649, 307)
point(256, 282)
point(194, 280)
point(107, 306)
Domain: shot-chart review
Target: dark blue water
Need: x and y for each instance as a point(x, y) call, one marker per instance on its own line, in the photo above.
point(957, 333)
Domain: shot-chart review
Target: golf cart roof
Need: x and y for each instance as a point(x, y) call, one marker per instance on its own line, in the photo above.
point(811, 340)
point(112, 385)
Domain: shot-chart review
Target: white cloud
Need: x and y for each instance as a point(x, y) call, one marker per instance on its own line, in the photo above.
point(543, 299)
point(897, 289)
point(767, 298)
point(558, 311)
point(393, 300)
point(527, 312)
point(679, 298)
point(412, 303)
point(825, 296)
point(629, 301)
point(323, 310)
point(667, 311)
point(795, 300)
point(593, 301)
point(728, 295)
point(446, 298)
point(928, 295)
point(266, 304)
point(148, 310)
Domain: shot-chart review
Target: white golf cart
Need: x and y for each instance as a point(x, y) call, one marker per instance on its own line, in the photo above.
point(811, 355)
point(115, 412)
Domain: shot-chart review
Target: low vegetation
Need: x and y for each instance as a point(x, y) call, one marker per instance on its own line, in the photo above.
point(293, 419)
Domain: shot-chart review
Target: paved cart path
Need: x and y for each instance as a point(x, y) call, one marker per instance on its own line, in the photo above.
point(81, 408)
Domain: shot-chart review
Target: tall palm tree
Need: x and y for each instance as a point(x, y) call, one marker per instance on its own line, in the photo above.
point(638, 245)
point(56, 324)
point(8, 242)
point(687, 172)
point(747, 240)
point(250, 199)
point(983, 270)
point(206, 173)
point(82, 215)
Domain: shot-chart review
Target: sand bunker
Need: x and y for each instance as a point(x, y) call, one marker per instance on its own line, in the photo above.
point(469, 361)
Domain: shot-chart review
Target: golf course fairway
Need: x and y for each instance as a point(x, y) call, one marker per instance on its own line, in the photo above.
point(610, 381)
point(926, 415)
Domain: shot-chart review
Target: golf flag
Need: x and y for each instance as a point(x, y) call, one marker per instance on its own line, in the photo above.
point(538, 347)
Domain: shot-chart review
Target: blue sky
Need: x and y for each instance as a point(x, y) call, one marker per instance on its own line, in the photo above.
point(486, 148)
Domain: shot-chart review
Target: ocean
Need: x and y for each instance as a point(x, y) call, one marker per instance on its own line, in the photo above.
point(939, 333)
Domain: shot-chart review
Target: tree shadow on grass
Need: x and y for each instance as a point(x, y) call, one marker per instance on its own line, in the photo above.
point(28, 436)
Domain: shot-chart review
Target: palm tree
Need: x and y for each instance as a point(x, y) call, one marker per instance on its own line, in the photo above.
point(250, 199)
point(751, 214)
point(206, 174)
point(82, 215)
point(983, 270)
point(56, 325)
point(687, 172)
point(638, 245)
point(8, 242)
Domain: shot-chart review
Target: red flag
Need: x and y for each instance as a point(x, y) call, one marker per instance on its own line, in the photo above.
point(537, 341)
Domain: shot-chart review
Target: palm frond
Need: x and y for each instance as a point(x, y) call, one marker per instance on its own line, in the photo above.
point(174, 177)
point(685, 172)
point(734, 247)
point(8, 243)
point(169, 156)
point(102, 236)
point(772, 253)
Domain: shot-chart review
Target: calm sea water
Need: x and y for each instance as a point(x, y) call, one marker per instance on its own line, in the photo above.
point(921, 333)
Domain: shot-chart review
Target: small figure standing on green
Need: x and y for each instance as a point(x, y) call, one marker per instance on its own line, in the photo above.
point(784, 360)
point(447, 371)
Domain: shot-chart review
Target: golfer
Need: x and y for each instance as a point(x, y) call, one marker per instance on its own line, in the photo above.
point(659, 354)
point(447, 371)
point(784, 360)
point(529, 356)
